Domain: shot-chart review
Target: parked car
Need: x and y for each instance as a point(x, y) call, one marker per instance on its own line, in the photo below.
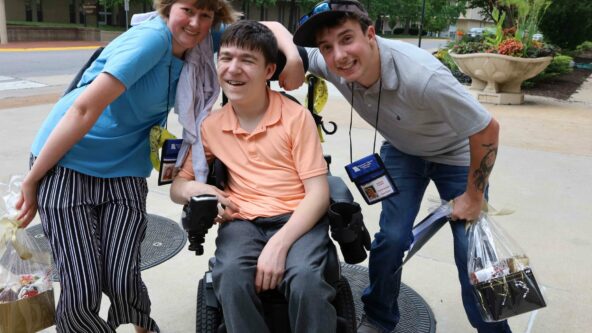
point(474, 32)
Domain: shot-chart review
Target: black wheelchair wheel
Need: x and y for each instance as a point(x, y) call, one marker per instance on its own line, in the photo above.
point(344, 306)
point(208, 318)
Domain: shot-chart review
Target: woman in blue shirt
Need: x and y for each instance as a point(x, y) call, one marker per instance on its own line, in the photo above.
point(91, 154)
point(92, 158)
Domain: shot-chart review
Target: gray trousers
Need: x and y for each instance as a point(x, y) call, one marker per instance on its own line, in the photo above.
point(309, 296)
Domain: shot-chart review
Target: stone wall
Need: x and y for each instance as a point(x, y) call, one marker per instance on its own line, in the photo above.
point(29, 34)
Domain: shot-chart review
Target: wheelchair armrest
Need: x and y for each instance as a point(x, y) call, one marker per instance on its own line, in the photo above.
point(339, 192)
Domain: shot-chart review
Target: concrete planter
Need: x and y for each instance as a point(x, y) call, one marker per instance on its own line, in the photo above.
point(497, 78)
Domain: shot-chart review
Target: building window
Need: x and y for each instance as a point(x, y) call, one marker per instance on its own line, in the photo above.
point(33, 7)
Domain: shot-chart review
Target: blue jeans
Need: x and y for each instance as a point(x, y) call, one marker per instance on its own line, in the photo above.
point(412, 175)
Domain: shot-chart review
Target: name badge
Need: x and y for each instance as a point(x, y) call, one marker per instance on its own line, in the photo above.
point(168, 159)
point(371, 178)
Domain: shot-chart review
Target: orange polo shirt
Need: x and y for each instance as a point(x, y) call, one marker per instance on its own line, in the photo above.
point(265, 167)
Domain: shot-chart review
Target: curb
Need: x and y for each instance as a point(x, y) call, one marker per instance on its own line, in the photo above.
point(40, 49)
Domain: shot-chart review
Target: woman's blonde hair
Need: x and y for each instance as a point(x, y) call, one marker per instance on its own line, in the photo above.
point(223, 10)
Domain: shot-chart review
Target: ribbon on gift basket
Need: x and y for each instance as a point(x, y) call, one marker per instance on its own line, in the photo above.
point(9, 236)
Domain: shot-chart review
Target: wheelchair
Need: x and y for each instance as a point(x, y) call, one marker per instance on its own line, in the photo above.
point(197, 219)
point(346, 227)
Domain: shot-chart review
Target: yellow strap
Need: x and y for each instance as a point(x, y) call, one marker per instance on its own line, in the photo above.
point(9, 236)
point(158, 135)
point(321, 94)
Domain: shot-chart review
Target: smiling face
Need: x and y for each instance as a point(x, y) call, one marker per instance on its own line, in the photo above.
point(350, 52)
point(243, 75)
point(188, 25)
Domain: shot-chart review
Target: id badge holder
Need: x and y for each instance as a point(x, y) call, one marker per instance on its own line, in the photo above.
point(371, 178)
point(168, 159)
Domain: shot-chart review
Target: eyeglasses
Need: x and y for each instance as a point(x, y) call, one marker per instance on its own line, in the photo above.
point(319, 8)
point(336, 5)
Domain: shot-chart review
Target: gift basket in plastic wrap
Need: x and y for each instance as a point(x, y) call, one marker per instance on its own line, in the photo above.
point(26, 293)
point(500, 272)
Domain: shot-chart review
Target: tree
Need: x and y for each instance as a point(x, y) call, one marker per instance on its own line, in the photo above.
point(440, 14)
point(262, 5)
point(486, 8)
point(567, 23)
point(114, 3)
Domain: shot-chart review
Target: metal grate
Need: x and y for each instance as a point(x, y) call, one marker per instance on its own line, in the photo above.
point(416, 315)
point(164, 239)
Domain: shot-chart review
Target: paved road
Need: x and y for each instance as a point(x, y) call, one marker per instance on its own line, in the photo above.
point(17, 69)
point(42, 63)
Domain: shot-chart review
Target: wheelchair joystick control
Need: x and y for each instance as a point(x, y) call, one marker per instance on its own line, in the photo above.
point(197, 218)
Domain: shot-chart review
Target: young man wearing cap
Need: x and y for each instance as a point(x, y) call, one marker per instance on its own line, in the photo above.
point(434, 130)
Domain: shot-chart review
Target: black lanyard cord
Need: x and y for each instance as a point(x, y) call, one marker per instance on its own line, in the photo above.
point(351, 117)
point(377, 112)
point(166, 116)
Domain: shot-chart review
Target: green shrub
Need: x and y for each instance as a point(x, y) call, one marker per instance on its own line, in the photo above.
point(584, 47)
point(560, 64)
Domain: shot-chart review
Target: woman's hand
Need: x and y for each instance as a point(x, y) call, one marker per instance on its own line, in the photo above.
point(27, 203)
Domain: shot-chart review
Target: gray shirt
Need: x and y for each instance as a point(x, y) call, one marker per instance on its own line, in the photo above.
point(424, 110)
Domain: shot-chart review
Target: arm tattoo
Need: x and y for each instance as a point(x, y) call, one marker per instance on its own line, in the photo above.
point(481, 175)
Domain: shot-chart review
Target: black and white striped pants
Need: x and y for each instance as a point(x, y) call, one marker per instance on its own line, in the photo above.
point(95, 227)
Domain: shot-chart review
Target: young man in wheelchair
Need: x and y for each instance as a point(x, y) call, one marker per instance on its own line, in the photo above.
point(273, 232)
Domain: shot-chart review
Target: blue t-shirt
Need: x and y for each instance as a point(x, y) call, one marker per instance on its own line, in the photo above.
point(117, 145)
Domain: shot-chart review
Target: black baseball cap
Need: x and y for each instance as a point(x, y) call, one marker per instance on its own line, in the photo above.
point(308, 24)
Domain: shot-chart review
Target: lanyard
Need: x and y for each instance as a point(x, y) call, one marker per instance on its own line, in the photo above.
point(351, 117)
point(166, 115)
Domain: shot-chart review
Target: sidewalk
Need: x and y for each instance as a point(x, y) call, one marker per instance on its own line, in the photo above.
point(544, 162)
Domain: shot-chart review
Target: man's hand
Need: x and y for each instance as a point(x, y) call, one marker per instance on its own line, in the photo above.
point(270, 266)
point(292, 76)
point(466, 208)
point(193, 188)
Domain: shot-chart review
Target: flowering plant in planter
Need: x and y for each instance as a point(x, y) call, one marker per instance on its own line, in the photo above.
point(498, 62)
point(516, 22)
